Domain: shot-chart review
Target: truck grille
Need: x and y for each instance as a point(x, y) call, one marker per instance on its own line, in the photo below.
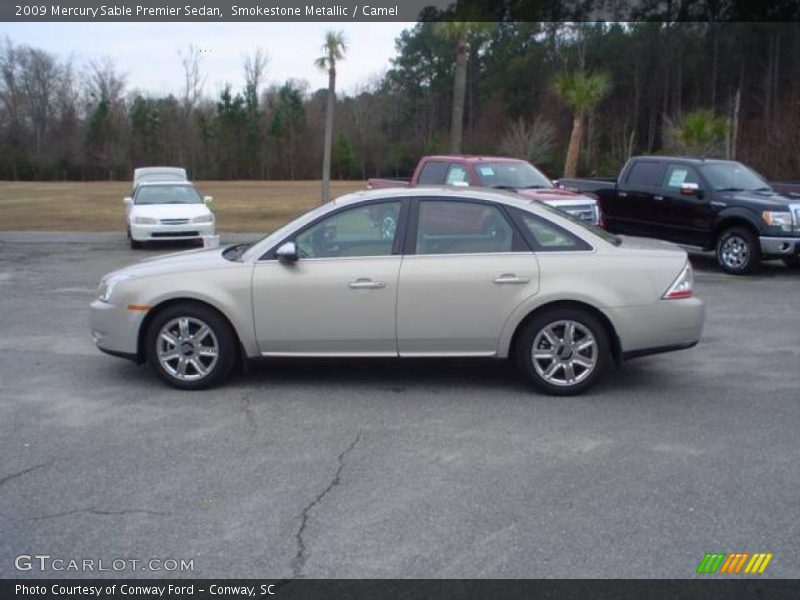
point(796, 210)
point(584, 213)
point(174, 221)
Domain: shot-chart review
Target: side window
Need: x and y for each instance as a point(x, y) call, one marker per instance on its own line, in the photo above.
point(360, 231)
point(550, 237)
point(453, 227)
point(646, 173)
point(433, 173)
point(677, 175)
point(457, 175)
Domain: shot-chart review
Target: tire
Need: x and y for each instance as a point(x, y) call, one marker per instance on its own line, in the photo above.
point(189, 369)
point(134, 244)
point(546, 333)
point(738, 251)
point(793, 262)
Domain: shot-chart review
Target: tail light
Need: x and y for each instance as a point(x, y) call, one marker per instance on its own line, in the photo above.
point(683, 286)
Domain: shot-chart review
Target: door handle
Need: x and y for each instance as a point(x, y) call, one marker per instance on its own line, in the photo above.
point(510, 278)
point(659, 198)
point(366, 284)
point(622, 194)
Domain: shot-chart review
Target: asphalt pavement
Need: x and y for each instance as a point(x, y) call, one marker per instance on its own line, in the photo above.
point(353, 468)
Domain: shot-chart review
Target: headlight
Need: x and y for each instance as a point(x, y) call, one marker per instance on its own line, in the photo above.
point(781, 220)
point(144, 221)
point(107, 286)
point(204, 219)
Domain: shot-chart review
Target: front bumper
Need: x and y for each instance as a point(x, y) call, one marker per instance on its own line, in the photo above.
point(157, 232)
point(779, 246)
point(115, 329)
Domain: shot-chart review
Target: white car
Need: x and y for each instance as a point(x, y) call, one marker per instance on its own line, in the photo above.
point(167, 210)
point(415, 272)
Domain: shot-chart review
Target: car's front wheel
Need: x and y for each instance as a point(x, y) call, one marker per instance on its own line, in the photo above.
point(563, 351)
point(738, 251)
point(191, 346)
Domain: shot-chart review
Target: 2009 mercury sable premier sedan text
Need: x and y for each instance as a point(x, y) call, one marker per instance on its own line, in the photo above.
point(408, 273)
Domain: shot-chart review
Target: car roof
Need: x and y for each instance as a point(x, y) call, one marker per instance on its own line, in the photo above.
point(473, 158)
point(687, 159)
point(163, 183)
point(470, 192)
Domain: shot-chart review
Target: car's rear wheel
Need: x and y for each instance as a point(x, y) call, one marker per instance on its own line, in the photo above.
point(738, 251)
point(191, 346)
point(563, 351)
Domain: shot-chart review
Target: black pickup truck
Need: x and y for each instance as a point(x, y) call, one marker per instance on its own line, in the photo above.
point(718, 205)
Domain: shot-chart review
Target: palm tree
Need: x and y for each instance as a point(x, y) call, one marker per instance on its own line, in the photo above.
point(699, 132)
point(334, 49)
point(460, 32)
point(581, 92)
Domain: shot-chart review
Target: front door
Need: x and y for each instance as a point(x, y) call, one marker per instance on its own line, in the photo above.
point(339, 297)
point(688, 218)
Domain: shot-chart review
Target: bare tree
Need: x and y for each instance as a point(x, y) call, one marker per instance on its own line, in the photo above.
point(530, 141)
point(254, 69)
point(193, 80)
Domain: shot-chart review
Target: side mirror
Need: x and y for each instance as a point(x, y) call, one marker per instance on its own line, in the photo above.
point(208, 199)
point(691, 189)
point(128, 201)
point(287, 253)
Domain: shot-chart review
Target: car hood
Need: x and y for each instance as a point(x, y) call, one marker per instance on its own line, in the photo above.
point(177, 262)
point(766, 199)
point(169, 211)
point(556, 196)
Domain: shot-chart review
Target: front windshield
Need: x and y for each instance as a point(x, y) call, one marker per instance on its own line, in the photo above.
point(167, 194)
point(516, 175)
point(598, 231)
point(734, 177)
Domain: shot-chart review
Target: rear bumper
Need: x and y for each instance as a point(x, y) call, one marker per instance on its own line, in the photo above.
point(661, 327)
point(779, 246)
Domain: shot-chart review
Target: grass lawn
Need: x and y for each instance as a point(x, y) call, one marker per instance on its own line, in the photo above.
point(246, 206)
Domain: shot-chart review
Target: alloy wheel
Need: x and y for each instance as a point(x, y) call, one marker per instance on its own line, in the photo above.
point(564, 353)
point(734, 252)
point(187, 348)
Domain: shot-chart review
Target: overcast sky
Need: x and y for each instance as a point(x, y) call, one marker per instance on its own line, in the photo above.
point(147, 53)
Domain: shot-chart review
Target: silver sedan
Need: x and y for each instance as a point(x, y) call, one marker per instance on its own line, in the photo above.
point(408, 273)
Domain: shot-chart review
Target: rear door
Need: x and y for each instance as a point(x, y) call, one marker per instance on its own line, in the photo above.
point(635, 208)
point(465, 269)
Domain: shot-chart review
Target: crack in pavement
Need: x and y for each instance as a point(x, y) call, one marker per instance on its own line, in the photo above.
point(8, 478)
point(248, 412)
point(97, 511)
point(299, 560)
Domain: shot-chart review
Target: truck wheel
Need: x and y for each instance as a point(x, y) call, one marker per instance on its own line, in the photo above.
point(563, 351)
point(738, 251)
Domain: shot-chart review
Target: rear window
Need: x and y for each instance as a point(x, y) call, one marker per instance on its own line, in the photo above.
point(433, 173)
point(646, 173)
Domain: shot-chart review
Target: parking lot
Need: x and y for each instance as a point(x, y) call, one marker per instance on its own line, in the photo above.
point(394, 468)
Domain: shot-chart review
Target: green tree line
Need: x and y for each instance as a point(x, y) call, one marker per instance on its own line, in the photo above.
point(521, 88)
